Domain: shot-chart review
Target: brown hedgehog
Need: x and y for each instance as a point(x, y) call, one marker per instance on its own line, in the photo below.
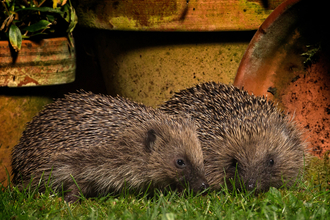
point(107, 144)
point(242, 133)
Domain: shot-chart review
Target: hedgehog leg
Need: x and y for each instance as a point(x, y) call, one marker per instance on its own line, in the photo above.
point(72, 195)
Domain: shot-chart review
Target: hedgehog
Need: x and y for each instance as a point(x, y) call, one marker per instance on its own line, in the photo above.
point(247, 141)
point(106, 144)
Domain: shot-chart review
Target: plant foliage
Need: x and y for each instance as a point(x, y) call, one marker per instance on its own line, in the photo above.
point(22, 19)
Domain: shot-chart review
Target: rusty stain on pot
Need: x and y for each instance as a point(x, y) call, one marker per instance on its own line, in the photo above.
point(273, 62)
point(47, 62)
point(172, 15)
point(27, 81)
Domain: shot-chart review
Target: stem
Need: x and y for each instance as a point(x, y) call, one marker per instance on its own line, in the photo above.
point(26, 32)
point(3, 3)
point(6, 22)
point(36, 3)
point(42, 3)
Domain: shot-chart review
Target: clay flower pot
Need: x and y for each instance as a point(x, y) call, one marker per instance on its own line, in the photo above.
point(288, 60)
point(167, 45)
point(172, 15)
point(45, 62)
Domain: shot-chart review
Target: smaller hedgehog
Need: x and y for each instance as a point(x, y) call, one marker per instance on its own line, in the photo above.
point(246, 140)
point(107, 144)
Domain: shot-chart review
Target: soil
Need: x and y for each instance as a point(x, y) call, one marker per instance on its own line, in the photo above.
point(308, 97)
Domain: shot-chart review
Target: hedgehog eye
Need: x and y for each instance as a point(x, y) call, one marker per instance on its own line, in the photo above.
point(271, 162)
point(180, 163)
point(234, 162)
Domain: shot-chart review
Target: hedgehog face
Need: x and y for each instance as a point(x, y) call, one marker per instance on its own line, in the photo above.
point(187, 174)
point(254, 172)
point(176, 160)
point(268, 154)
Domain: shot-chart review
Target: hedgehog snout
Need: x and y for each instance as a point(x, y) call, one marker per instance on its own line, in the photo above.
point(199, 183)
point(250, 185)
point(204, 186)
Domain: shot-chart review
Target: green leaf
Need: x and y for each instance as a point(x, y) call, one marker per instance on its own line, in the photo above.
point(66, 9)
point(70, 16)
point(73, 21)
point(50, 18)
point(40, 25)
point(15, 37)
point(41, 9)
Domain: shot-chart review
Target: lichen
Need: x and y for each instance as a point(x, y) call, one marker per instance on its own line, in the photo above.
point(311, 54)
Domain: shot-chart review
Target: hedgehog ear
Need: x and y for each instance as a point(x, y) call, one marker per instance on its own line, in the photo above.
point(151, 138)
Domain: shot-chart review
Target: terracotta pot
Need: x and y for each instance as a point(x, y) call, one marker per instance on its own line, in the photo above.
point(15, 112)
point(173, 15)
point(288, 60)
point(46, 62)
point(148, 67)
point(177, 45)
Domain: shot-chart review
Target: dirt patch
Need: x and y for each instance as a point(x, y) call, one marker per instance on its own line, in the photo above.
point(308, 96)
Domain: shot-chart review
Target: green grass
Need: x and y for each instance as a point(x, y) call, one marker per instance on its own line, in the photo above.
point(304, 202)
point(309, 199)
